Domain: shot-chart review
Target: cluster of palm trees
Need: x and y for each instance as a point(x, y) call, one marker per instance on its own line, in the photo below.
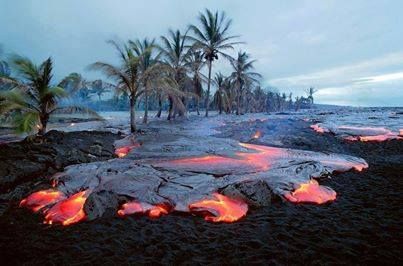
point(168, 71)
point(172, 69)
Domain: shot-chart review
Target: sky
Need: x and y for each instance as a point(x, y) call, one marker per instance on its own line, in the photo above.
point(350, 51)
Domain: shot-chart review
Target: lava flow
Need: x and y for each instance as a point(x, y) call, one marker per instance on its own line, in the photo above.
point(123, 151)
point(68, 211)
point(260, 160)
point(311, 192)
point(257, 135)
point(319, 129)
point(135, 207)
point(220, 209)
point(38, 200)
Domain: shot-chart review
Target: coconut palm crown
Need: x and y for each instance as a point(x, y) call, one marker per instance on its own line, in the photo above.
point(33, 98)
point(213, 38)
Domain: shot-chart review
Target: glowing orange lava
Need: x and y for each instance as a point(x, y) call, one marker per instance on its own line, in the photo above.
point(135, 207)
point(319, 129)
point(220, 209)
point(38, 200)
point(123, 151)
point(311, 192)
point(68, 211)
point(130, 208)
point(376, 138)
point(259, 160)
point(257, 135)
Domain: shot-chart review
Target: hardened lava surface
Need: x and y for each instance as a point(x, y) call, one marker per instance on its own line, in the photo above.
point(362, 226)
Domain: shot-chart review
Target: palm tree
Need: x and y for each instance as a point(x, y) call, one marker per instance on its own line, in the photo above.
point(5, 71)
point(195, 62)
point(99, 87)
point(242, 76)
point(144, 50)
point(174, 50)
point(76, 85)
point(126, 75)
point(310, 92)
point(33, 100)
point(220, 97)
point(213, 38)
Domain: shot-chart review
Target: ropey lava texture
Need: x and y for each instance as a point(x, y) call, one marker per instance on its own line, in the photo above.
point(210, 182)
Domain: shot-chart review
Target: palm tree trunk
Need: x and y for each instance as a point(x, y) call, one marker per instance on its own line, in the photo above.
point(197, 106)
point(44, 122)
point(208, 86)
point(145, 118)
point(159, 106)
point(170, 108)
point(132, 113)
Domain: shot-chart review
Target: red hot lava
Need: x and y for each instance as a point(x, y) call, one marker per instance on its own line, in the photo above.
point(257, 135)
point(38, 200)
point(135, 207)
point(311, 192)
point(319, 129)
point(68, 211)
point(123, 151)
point(220, 209)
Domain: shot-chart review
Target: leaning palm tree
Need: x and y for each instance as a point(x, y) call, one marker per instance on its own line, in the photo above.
point(34, 99)
point(174, 50)
point(213, 38)
point(126, 75)
point(242, 76)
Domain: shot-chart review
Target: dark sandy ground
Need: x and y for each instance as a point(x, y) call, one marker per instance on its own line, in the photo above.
point(363, 226)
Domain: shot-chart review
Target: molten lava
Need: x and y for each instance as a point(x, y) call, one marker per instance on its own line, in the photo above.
point(257, 135)
point(38, 200)
point(319, 129)
point(311, 192)
point(260, 160)
point(220, 209)
point(123, 151)
point(68, 211)
point(135, 207)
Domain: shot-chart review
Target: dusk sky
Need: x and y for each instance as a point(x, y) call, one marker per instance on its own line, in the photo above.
point(351, 51)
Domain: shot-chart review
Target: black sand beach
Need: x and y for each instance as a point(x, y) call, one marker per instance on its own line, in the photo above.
point(361, 227)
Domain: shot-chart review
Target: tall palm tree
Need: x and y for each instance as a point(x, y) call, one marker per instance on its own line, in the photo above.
point(126, 75)
point(213, 38)
point(144, 50)
point(242, 75)
point(34, 99)
point(174, 50)
point(195, 62)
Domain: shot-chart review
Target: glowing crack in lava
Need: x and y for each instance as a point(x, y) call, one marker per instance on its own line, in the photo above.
point(258, 134)
point(123, 151)
point(68, 211)
point(135, 207)
point(38, 200)
point(311, 192)
point(363, 134)
point(259, 160)
point(220, 209)
point(319, 129)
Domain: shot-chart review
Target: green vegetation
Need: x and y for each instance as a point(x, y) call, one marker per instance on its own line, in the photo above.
point(166, 73)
